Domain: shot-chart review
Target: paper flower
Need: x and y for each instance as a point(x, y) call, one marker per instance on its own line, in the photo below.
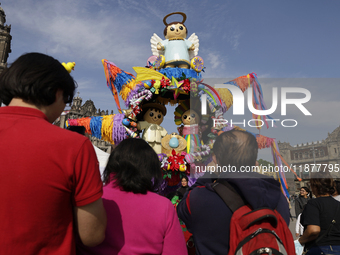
point(165, 82)
point(198, 64)
point(175, 160)
point(186, 86)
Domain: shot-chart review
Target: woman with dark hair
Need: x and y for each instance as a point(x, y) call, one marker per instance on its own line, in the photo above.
point(321, 218)
point(139, 220)
point(184, 187)
point(301, 200)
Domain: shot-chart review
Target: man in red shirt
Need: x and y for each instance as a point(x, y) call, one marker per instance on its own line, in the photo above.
point(50, 186)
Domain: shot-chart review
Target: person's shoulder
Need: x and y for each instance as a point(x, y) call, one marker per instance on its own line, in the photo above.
point(156, 198)
point(159, 203)
point(299, 199)
point(329, 200)
point(322, 201)
point(65, 139)
point(201, 192)
point(313, 200)
point(65, 134)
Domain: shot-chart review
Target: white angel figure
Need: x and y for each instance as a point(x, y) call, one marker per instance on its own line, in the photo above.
point(176, 49)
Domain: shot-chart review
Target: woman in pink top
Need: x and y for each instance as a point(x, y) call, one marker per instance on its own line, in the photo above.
point(139, 220)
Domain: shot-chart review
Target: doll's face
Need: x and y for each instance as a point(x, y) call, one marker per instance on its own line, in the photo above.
point(176, 30)
point(174, 134)
point(190, 117)
point(153, 116)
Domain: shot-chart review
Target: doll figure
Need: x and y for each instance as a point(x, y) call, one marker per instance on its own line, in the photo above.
point(173, 142)
point(153, 132)
point(190, 129)
point(177, 50)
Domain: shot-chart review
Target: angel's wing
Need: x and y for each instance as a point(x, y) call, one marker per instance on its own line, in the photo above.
point(155, 39)
point(194, 39)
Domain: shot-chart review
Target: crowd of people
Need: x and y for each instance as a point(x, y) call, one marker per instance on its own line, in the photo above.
point(54, 201)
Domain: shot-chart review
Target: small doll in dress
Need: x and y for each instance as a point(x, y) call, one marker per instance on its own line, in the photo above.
point(190, 119)
point(174, 142)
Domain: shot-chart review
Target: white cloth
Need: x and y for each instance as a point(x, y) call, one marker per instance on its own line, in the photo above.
point(102, 157)
point(337, 198)
point(153, 134)
point(298, 225)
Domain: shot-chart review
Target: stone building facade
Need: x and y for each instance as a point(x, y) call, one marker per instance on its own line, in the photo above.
point(5, 40)
point(306, 158)
point(88, 109)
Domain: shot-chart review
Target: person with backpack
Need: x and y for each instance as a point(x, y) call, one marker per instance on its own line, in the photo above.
point(207, 209)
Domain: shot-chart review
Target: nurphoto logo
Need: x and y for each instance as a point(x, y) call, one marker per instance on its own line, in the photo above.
point(239, 102)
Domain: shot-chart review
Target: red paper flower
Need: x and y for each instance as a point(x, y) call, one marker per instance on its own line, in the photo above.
point(186, 86)
point(165, 82)
point(175, 160)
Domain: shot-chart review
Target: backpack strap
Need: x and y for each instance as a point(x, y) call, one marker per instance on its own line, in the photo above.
point(228, 194)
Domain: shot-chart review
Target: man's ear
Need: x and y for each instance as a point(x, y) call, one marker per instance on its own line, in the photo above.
point(59, 95)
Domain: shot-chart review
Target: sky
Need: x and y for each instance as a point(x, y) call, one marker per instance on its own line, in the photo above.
point(286, 43)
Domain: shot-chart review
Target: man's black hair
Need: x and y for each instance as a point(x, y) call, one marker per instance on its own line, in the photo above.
point(35, 78)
